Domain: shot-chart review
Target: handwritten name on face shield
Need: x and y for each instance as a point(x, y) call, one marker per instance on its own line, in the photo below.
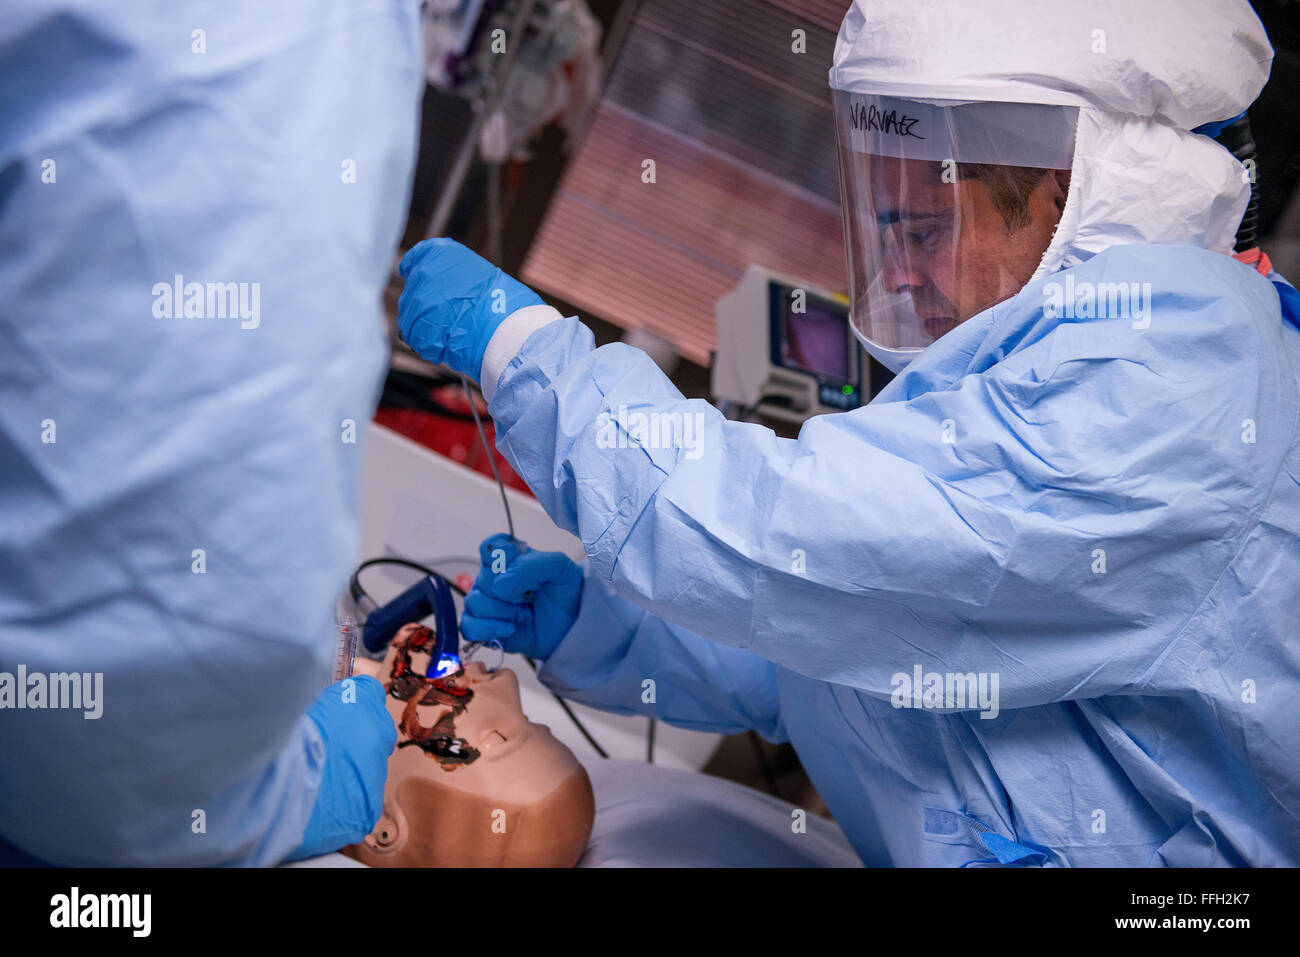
point(1018, 134)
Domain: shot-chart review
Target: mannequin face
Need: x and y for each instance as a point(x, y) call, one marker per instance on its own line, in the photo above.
point(472, 781)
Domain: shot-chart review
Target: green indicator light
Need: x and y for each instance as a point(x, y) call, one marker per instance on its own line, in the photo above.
point(848, 390)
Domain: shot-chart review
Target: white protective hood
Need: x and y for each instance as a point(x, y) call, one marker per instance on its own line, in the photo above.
point(1143, 74)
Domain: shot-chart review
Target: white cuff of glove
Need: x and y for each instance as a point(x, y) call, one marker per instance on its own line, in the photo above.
point(508, 339)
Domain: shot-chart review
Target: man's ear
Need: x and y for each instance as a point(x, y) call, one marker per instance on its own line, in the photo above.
point(1060, 179)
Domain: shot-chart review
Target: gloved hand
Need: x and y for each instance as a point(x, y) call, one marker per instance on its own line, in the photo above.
point(453, 301)
point(524, 599)
point(359, 736)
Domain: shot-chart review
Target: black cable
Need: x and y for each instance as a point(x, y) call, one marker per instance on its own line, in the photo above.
point(357, 592)
point(764, 764)
point(409, 390)
point(510, 522)
point(569, 711)
point(492, 460)
point(1237, 138)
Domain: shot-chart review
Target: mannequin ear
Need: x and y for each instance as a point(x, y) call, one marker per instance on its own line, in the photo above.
point(388, 838)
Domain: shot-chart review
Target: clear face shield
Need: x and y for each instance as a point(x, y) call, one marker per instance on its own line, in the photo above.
point(947, 209)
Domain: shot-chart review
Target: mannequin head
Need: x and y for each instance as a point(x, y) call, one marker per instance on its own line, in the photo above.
point(472, 783)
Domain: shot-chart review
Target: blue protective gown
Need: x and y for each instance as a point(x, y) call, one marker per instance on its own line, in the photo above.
point(1106, 517)
point(179, 497)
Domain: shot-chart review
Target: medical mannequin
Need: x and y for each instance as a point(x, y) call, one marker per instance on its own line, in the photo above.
point(472, 782)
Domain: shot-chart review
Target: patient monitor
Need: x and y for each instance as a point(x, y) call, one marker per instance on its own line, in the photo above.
point(471, 783)
point(785, 348)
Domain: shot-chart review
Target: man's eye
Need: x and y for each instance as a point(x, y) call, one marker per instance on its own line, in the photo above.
point(922, 238)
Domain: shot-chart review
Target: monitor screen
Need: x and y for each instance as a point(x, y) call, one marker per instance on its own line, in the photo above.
point(814, 340)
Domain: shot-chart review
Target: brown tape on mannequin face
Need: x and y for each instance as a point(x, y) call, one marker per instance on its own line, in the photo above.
point(472, 782)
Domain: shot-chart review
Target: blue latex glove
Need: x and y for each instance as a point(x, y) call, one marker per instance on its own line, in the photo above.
point(359, 736)
point(453, 301)
point(526, 600)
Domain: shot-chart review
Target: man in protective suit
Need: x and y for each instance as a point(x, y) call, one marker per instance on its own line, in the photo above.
point(1036, 602)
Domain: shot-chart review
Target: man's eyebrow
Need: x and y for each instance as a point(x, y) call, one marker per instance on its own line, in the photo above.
point(888, 217)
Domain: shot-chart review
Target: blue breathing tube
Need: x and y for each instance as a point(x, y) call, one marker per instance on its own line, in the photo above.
point(429, 596)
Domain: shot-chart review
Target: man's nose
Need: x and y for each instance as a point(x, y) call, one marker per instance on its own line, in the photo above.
point(901, 272)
